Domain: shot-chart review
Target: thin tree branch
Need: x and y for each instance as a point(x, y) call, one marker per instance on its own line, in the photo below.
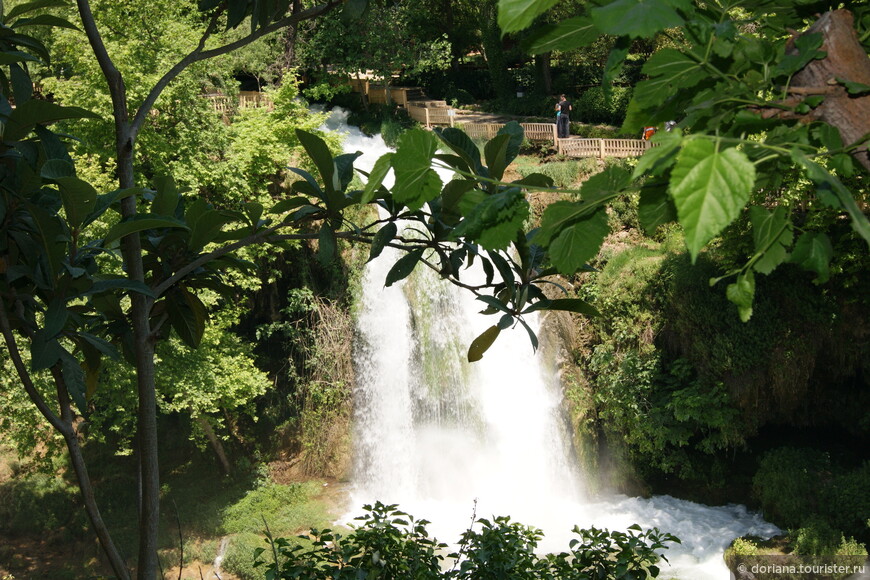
point(199, 54)
point(24, 374)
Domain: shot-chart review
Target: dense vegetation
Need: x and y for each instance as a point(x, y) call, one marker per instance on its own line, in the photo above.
point(142, 226)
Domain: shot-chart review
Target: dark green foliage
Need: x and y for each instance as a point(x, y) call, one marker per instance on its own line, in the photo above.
point(392, 545)
point(802, 487)
point(595, 105)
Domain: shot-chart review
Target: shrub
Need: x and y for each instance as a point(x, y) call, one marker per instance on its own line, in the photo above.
point(284, 508)
point(239, 558)
point(563, 173)
point(391, 544)
point(787, 483)
point(593, 107)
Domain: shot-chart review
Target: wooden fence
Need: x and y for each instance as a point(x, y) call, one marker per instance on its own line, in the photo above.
point(602, 148)
point(247, 100)
point(430, 116)
point(533, 131)
point(398, 95)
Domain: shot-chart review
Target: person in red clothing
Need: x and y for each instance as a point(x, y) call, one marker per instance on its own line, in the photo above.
point(563, 110)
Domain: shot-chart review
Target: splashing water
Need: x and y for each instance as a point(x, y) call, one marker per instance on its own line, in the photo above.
point(436, 434)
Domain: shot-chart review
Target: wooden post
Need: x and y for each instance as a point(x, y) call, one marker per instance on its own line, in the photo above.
point(556, 138)
point(426, 110)
point(601, 148)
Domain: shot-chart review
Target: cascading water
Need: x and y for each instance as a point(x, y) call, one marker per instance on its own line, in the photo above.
point(438, 435)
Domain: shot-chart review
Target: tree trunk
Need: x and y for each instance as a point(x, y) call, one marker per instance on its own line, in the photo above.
point(848, 61)
point(215, 443)
point(545, 77)
point(493, 50)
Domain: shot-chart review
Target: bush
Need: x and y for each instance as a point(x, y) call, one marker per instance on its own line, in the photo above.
point(593, 107)
point(787, 484)
point(563, 173)
point(391, 544)
point(239, 558)
point(284, 508)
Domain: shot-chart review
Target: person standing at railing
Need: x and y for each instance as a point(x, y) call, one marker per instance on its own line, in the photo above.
point(563, 118)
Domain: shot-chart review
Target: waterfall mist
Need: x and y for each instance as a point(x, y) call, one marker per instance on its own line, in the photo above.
point(439, 436)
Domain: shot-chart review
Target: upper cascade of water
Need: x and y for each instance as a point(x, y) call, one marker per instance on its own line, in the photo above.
point(439, 436)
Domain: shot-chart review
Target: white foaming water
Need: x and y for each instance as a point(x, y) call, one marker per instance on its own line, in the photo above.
point(436, 434)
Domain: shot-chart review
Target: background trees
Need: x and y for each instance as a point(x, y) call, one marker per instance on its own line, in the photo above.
point(761, 148)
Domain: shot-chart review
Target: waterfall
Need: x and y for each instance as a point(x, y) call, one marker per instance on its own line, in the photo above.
point(439, 436)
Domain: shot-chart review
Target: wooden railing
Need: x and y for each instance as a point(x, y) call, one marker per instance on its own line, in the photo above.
point(533, 131)
point(398, 95)
point(430, 116)
point(602, 148)
point(247, 100)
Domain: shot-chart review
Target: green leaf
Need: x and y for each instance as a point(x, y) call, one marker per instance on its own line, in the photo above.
point(44, 351)
point(22, 86)
point(566, 35)
point(112, 284)
point(813, 251)
point(669, 70)
point(376, 177)
point(206, 228)
point(742, 293)
point(188, 316)
point(482, 343)
point(579, 242)
point(566, 304)
point(461, 144)
point(74, 379)
point(709, 187)
point(140, 223)
point(773, 235)
point(79, 198)
point(45, 20)
point(638, 18)
point(12, 56)
point(27, 115)
point(384, 236)
point(55, 318)
point(326, 244)
point(515, 15)
point(829, 184)
point(494, 222)
point(31, 6)
point(286, 205)
point(807, 46)
point(319, 152)
point(416, 181)
point(655, 207)
point(167, 197)
point(659, 158)
point(516, 134)
point(55, 168)
point(854, 88)
point(403, 267)
point(496, 154)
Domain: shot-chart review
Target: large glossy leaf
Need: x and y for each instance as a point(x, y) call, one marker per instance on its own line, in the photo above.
point(482, 343)
point(376, 177)
point(326, 244)
point(709, 187)
point(565, 304)
point(384, 236)
point(638, 18)
point(464, 147)
point(188, 316)
point(416, 181)
point(579, 242)
point(403, 267)
point(515, 15)
point(24, 117)
point(167, 197)
point(206, 229)
point(79, 198)
point(655, 207)
point(138, 224)
point(45, 20)
point(319, 152)
point(26, 7)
